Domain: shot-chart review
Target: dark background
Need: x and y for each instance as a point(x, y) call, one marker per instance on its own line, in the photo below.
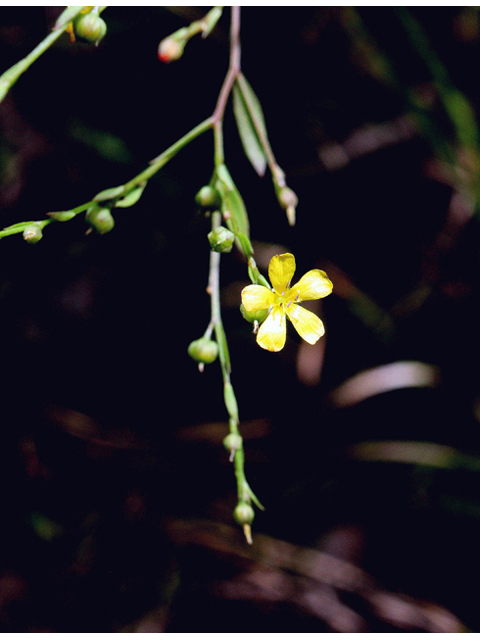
point(117, 493)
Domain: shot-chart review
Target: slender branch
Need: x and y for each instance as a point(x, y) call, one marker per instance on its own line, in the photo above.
point(9, 77)
point(160, 161)
point(232, 74)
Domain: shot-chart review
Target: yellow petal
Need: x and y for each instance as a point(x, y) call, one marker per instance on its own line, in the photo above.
point(280, 271)
point(255, 297)
point(312, 286)
point(308, 325)
point(273, 331)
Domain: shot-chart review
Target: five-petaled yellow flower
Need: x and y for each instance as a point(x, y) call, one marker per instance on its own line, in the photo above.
point(282, 302)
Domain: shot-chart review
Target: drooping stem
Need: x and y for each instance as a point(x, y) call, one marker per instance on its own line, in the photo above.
point(232, 74)
point(160, 161)
point(9, 77)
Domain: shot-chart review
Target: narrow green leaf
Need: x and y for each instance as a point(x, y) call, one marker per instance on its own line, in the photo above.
point(248, 135)
point(109, 194)
point(233, 207)
point(253, 103)
point(246, 244)
point(132, 198)
point(225, 177)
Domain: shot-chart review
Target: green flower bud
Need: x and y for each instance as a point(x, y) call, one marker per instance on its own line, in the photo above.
point(32, 233)
point(233, 442)
point(208, 197)
point(90, 27)
point(256, 316)
point(221, 240)
point(203, 350)
point(100, 219)
point(244, 513)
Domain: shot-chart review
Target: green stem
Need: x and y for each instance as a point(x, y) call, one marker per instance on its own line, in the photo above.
point(243, 490)
point(214, 291)
point(160, 161)
point(21, 226)
point(9, 77)
point(232, 74)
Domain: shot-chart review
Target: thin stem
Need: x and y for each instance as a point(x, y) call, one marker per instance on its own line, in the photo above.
point(161, 160)
point(214, 291)
point(244, 492)
point(9, 77)
point(232, 74)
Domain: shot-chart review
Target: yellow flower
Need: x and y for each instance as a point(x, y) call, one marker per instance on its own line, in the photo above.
point(282, 302)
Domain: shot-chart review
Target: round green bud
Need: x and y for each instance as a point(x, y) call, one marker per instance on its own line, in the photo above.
point(233, 442)
point(244, 513)
point(256, 316)
point(32, 233)
point(208, 197)
point(203, 350)
point(90, 27)
point(221, 239)
point(100, 219)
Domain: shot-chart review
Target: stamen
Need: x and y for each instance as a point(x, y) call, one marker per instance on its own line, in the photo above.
point(297, 296)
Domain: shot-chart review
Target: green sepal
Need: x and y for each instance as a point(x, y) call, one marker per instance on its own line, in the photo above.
point(109, 194)
point(131, 198)
point(255, 316)
point(230, 401)
point(253, 497)
point(248, 134)
point(210, 20)
point(61, 216)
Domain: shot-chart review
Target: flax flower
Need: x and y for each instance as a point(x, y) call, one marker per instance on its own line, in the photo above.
point(282, 302)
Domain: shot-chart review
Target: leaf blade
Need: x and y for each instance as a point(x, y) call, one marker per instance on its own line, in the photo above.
point(248, 134)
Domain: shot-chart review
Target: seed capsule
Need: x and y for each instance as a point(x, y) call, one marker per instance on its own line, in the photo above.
point(244, 513)
point(221, 240)
point(32, 234)
point(90, 27)
point(208, 197)
point(203, 350)
point(233, 442)
point(100, 219)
